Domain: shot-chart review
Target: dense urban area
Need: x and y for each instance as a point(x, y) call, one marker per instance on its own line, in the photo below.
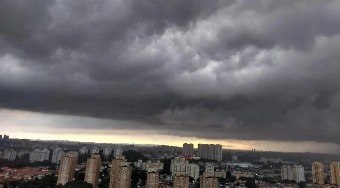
point(36, 163)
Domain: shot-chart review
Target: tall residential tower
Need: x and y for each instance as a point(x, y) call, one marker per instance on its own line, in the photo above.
point(335, 173)
point(188, 149)
point(67, 168)
point(92, 170)
point(121, 171)
point(317, 173)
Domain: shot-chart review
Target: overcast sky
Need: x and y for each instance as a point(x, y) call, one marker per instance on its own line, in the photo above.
point(238, 72)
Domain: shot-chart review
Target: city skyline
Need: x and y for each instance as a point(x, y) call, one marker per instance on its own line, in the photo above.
point(243, 74)
point(105, 165)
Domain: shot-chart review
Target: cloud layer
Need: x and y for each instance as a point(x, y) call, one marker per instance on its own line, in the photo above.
point(244, 69)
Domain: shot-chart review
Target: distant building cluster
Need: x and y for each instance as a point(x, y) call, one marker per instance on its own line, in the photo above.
point(272, 160)
point(38, 155)
point(4, 137)
point(162, 166)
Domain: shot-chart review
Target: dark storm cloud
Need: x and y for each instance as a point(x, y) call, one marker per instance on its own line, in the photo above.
point(263, 70)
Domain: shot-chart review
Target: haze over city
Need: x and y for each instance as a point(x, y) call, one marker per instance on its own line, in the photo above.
point(244, 74)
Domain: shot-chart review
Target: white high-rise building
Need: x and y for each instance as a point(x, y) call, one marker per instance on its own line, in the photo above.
point(58, 153)
point(83, 150)
point(210, 151)
point(10, 154)
point(95, 150)
point(39, 155)
point(188, 149)
point(107, 151)
point(181, 166)
point(118, 151)
point(296, 173)
point(287, 173)
point(218, 152)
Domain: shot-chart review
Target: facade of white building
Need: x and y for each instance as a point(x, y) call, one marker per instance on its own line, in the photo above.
point(107, 151)
point(58, 153)
point(39, 155)
point(296, 173)
point(95, 150)
point(10, 154)
point(118, 151)
point(149, 166)
point(83, 150)
point(210, 151)
point(181, 166)
point(188, 149)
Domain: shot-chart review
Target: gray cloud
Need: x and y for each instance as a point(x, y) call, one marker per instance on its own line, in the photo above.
point(257, 70)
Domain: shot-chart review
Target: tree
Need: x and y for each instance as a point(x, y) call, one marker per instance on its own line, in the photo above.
point(134, 156)
point(228, 174)
point(302, 184)
point(250, 183)
point(82, 158)
point(79, 175)
point(48, 181)
point(166, 166)
point(138, 176)
point(78, 184)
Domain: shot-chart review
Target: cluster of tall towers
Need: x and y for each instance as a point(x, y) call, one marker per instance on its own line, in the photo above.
point(318, 173)
point(120, 176)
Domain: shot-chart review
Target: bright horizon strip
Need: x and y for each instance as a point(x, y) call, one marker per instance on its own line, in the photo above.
point(39, 126)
